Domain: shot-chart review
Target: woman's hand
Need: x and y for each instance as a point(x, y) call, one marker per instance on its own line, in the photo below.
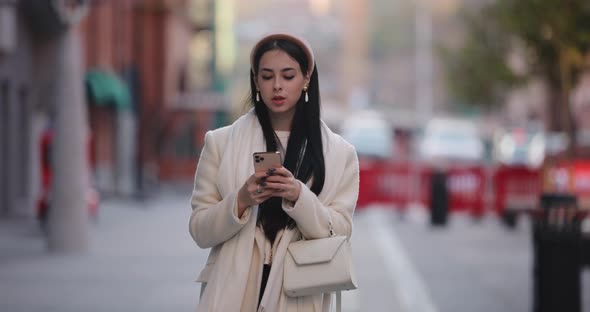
point(253, 192)
point(283, 184)
point(261, 186)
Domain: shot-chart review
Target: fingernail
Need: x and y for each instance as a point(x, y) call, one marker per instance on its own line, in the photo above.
point(269, 172)
point(272, 169)
point(263, 179)
point(263, 184)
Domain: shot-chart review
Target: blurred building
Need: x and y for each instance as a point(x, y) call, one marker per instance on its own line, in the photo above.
point(154, 78)
point(159, 51)
point(38, 62)
point(17, 107)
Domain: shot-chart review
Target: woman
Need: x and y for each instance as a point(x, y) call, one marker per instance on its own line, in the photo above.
point(249, 219)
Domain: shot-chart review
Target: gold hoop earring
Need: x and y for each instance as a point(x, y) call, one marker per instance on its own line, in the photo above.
point(257, 96)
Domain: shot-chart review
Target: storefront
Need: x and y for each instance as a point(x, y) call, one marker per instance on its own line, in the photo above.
point(17, 174)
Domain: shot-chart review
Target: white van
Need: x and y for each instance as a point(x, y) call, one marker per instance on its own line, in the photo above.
point(451, 139)
point(370, 134)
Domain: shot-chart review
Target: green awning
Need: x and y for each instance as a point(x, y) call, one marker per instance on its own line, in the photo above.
point(105, 88)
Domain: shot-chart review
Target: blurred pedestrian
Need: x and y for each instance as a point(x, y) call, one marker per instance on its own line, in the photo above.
point(249, 219)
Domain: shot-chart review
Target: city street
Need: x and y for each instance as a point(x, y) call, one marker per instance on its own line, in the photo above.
point(106, 108)
point(473, 265)
point(142, 259)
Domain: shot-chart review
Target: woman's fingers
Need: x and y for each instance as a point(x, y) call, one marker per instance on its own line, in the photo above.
point(274, 182)
point(259, 175)
point(288, 190)
point(282, 171)
point(253, 191)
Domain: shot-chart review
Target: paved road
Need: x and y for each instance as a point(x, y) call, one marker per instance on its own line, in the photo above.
point(473, 266)
point(143, 259)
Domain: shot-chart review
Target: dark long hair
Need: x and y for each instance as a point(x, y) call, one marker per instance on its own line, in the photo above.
point(306, 127)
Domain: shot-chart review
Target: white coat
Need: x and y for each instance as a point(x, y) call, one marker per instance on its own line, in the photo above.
point(231, 277)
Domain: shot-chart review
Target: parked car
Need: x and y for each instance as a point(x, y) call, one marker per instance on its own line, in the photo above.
point(451, 140)
point(370, 133)
point(519, 146)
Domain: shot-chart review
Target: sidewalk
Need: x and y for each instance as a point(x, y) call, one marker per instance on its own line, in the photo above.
point(141, 258)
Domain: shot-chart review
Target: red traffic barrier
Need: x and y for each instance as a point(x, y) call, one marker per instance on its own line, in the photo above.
point(385, 182)
point(467, 189)
point(466, 186)
point(581, 182)
point(398, 184)
point(516, 188)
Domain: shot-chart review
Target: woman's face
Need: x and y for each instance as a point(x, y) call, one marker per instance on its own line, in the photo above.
point(280, 82)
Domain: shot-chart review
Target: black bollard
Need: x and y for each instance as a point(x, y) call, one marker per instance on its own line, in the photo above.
point(439, 198)
point(557, 251)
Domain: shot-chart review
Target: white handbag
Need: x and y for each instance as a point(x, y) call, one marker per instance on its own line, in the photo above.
point(319, 266)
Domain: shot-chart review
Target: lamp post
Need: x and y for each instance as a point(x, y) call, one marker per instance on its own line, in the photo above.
point(69, 216)
point(54, 23)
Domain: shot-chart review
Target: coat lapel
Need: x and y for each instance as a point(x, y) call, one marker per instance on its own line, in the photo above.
point(236, 166)
point(229, 277)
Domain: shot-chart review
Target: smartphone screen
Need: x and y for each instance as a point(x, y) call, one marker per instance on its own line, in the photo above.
point(266, 160)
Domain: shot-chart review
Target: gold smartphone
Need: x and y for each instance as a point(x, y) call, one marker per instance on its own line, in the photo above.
point(266, 160)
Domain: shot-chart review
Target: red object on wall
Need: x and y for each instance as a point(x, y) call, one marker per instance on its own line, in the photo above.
point(45, 152)
point(92, 196)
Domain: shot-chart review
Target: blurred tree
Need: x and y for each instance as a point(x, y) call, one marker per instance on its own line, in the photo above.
point(477, 70)
point(390, 30)
point(551, 37)
point(391, 49)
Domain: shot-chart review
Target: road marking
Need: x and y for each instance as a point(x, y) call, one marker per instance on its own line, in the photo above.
point(407, 284)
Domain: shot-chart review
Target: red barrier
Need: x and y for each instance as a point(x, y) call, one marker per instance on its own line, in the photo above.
point(401, 183)
point(581, 182)
point(466, 186)
point(516, 188)
point(385, 182)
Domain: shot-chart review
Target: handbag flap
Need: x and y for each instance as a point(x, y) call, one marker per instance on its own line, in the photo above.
point(315, 250)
